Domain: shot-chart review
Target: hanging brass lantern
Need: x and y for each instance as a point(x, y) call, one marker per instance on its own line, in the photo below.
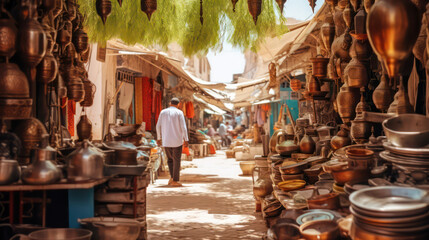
point(255, 7)
point(281, 4)
point(104, 7)
point(201, 12)
point(120, 3)
point(312, 4)
point(148, 6)
point(234, 2)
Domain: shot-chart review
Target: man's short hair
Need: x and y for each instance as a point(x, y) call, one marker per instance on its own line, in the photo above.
point(175, 101)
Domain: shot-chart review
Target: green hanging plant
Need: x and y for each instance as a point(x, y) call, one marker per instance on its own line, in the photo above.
point(179, 21)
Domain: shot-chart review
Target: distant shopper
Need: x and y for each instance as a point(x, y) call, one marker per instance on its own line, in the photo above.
point(172, 134)
point(210, 130)
point(223, 134)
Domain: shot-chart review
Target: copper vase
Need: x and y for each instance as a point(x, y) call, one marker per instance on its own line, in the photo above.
point(80, 41)
point(393, 27)
point(32, 42)
point(84, 128)
point(13, 82)
point(8, 36)
point(255, 7)
point(104, 7)
point(382, 95)
point(148, 7)
point(320, 66)
point(347, 100)
point(47, 69)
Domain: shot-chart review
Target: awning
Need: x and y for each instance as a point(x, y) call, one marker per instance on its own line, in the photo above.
point(205, 84)
point(210, 108)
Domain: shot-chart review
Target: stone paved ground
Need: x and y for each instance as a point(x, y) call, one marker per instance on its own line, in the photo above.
point(215, 203)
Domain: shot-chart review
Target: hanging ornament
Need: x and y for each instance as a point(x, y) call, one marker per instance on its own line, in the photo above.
point(272, 69)
point(312, 4)
point(234, 2)
point(120, 3)
point(281, 4)
point(104, 7)
point(148, 6)
point(295, 85)
point(255, 7)
point(201, 12)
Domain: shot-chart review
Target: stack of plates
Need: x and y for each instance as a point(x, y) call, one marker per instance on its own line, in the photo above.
point(389, 212)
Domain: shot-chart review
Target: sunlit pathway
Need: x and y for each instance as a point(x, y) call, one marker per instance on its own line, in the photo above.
point(215, 203)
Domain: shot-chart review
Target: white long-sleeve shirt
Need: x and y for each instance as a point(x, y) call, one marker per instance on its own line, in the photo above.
point(171, 127)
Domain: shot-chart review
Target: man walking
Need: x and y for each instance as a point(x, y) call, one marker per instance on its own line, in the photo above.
point(171, 133)
point(223, 132)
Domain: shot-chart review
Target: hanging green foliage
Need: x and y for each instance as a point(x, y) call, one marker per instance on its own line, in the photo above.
point(179, 21)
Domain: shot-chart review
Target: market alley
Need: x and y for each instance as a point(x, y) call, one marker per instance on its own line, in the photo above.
point(216, 202)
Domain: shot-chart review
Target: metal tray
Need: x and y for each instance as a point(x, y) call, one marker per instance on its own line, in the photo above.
point(414, 152)
point(128, 170)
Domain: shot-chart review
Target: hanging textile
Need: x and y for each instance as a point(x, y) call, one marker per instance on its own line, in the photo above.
point(190, 112)
point(147, 93)
point(158, 105)
point(71, 111)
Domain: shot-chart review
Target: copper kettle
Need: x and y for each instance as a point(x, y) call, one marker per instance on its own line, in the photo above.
point(278, 136)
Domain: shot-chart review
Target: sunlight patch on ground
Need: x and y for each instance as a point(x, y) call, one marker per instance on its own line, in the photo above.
point(199, 216)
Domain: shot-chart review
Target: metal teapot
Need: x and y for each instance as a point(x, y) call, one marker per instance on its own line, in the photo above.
point(85, 163)
point(263, 185)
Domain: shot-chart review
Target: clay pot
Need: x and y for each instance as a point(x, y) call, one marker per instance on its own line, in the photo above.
point(8, 37)
point(89, 93)
point(360, 130)
point(347, 100)
point(84, 128)
point(80, 41)
point(382, 95)
point(32, 42)
point(327, 31)
point(320, 65)
point(255, 7)
point(357, 73)
point(400, 20)
point(30, 133)
point(342, 139)
point(13, 82)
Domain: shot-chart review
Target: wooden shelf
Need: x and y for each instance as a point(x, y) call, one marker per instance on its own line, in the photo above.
point(63, 184)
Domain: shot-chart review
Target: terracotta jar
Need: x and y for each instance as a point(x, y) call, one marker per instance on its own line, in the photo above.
point(347, 100)
point(8, 36)
point(13, 82)
point(400, 20)
point(382, 95)
point(342, 138)
point(84, 128)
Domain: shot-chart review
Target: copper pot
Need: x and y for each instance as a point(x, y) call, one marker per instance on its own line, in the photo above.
point(347, 100)
point(342, 139)
point(75, 90)
point(360, 130)
point(64, 36)
point(32, 42)
point(80, 41)
point(30, 133)
point(278, 137)
point(13, 82)
point(327, 31)
point(47, 69)
point(324, 201)
point(8, 36)
point(89, 93)
point(382, 95)
point(400, 21)
point(58, 8)
point(320, 66)
point(84, 128)
point(255, 8)
point(357, 73)
point(104, 7)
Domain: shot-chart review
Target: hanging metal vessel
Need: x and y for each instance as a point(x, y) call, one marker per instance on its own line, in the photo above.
point(368, 4)
point(312, 4)
point(149, 7)
point(382, 95)
point(84, 128)
point(47, 69)
point(327, 32)
point(32, 42)
point(71, 9)
point(347, 100)
point(104, 7)
point(355, 4)
point(13, 82)
point(90, 90)
point(281, 4)
point(234, 2)
point(362, 106)
point(80, 40)
point(120, 3)
point(320, 66)
point(357, 73)
point(347, 16)
point(400, 21)
point(313, 85)
point(255, 8)
point(295, 84)
point(360, 131)
point(8, 36)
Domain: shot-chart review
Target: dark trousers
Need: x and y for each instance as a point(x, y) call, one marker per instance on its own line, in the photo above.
point(174, 154)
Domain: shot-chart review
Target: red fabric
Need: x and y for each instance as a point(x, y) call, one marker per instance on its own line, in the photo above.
point(190, 113)
point(158, 104)
point(71, 111)
point(212, 149)
point(147, 93)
